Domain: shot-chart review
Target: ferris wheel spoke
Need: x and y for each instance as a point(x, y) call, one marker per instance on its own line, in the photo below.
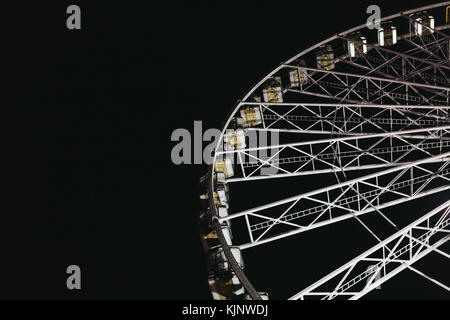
point(441, 64)
point(334, 118)
point(379, 60)
point(278, 116)
point(332, 84)
point(383, 93)
point(407, 68)
point(430, 45)
point(348, 199)
point(342, 78)
point(393, 255)
point(385, 62)
point(424, 244)
point(372, 68)
point(380, 125)
point(407, 73)
point(327, 96)
point(431, 49)
point(433, 31)
point(424, 48)
point(415, 147)
point(353, 153)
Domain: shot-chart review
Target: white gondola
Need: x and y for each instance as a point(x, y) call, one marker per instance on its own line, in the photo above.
point(299, 77)
point(223, 169)
point(222, 212)
point(325, 58)
point(387, 35)
point(273, 91)
point(357, 46)
point(251, 117)
point(221, 197)
point(423, 24)
point(227, 234)
point(219, 261)
point(234, 140)
point(210, 239)
point(225, 288)
point(381, 116)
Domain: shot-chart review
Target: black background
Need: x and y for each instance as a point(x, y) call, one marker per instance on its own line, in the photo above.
point(89, 127)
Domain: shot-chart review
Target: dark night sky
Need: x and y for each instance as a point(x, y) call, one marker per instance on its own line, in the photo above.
point(93, 111)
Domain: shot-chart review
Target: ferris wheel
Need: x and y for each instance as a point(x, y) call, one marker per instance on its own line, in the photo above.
point(357, 125)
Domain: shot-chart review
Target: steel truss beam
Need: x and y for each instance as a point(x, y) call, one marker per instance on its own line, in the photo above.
point(386, 259)
point(340, 154)
point(417, 75)
point(348, 119)
point(346, 200)
point(377, 63)
point(441, 64)
point(354, 88)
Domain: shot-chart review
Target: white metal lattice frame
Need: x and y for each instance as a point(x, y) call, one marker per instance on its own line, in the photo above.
point(388, 258)
point(391, 106)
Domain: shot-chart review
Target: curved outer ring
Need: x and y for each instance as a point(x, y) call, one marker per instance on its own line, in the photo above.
point(239, 272)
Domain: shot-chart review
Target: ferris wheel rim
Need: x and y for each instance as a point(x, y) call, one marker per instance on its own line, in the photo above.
point(210, 171)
